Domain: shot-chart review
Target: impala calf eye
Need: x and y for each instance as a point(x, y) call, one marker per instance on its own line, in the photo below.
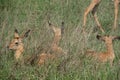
point(16, 43)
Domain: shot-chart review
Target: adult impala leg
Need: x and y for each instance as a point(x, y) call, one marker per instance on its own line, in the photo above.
point(116, 6)
point(96, 18)
point(87, 11)
point(92, 7)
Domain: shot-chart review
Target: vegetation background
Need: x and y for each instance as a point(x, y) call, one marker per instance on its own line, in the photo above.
point(34, 15)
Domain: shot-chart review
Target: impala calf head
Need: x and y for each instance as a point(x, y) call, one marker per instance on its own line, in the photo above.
point(56, 30)
point(108, 55)
point(107, 39)
point(17, 42)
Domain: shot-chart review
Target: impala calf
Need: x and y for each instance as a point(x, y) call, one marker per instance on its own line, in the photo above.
point(54, 46)
point(45, 56)
point(17, 45)
point(58, 32)
point(108, 55)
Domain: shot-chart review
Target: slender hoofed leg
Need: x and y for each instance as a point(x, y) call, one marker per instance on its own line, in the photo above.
point(116, 6)
point(92, 7)
point(96, 18)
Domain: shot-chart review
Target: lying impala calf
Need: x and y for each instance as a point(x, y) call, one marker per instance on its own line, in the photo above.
point(55, 45)
point(17, 45)
point(54, 48)
point(58, 32)
point(107, 56)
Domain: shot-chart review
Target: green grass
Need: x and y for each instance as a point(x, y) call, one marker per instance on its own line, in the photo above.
point(34, 14)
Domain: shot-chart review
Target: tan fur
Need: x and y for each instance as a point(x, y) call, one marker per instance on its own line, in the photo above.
point(93, 7)
point(116, 6)
point(56, 48)
point(57, 34)
point(57, 37)
point(44, 57)
point(108, 55)
point(17, 45)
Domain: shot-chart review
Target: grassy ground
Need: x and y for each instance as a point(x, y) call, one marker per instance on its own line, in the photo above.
point(34, 14)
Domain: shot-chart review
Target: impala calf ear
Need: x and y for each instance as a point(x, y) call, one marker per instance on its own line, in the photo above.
point(98, 37)
point(62, 28)
point(49, 23)
point(27, 33)
point(16, 31)
point(116, 37)
point(16, 35)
